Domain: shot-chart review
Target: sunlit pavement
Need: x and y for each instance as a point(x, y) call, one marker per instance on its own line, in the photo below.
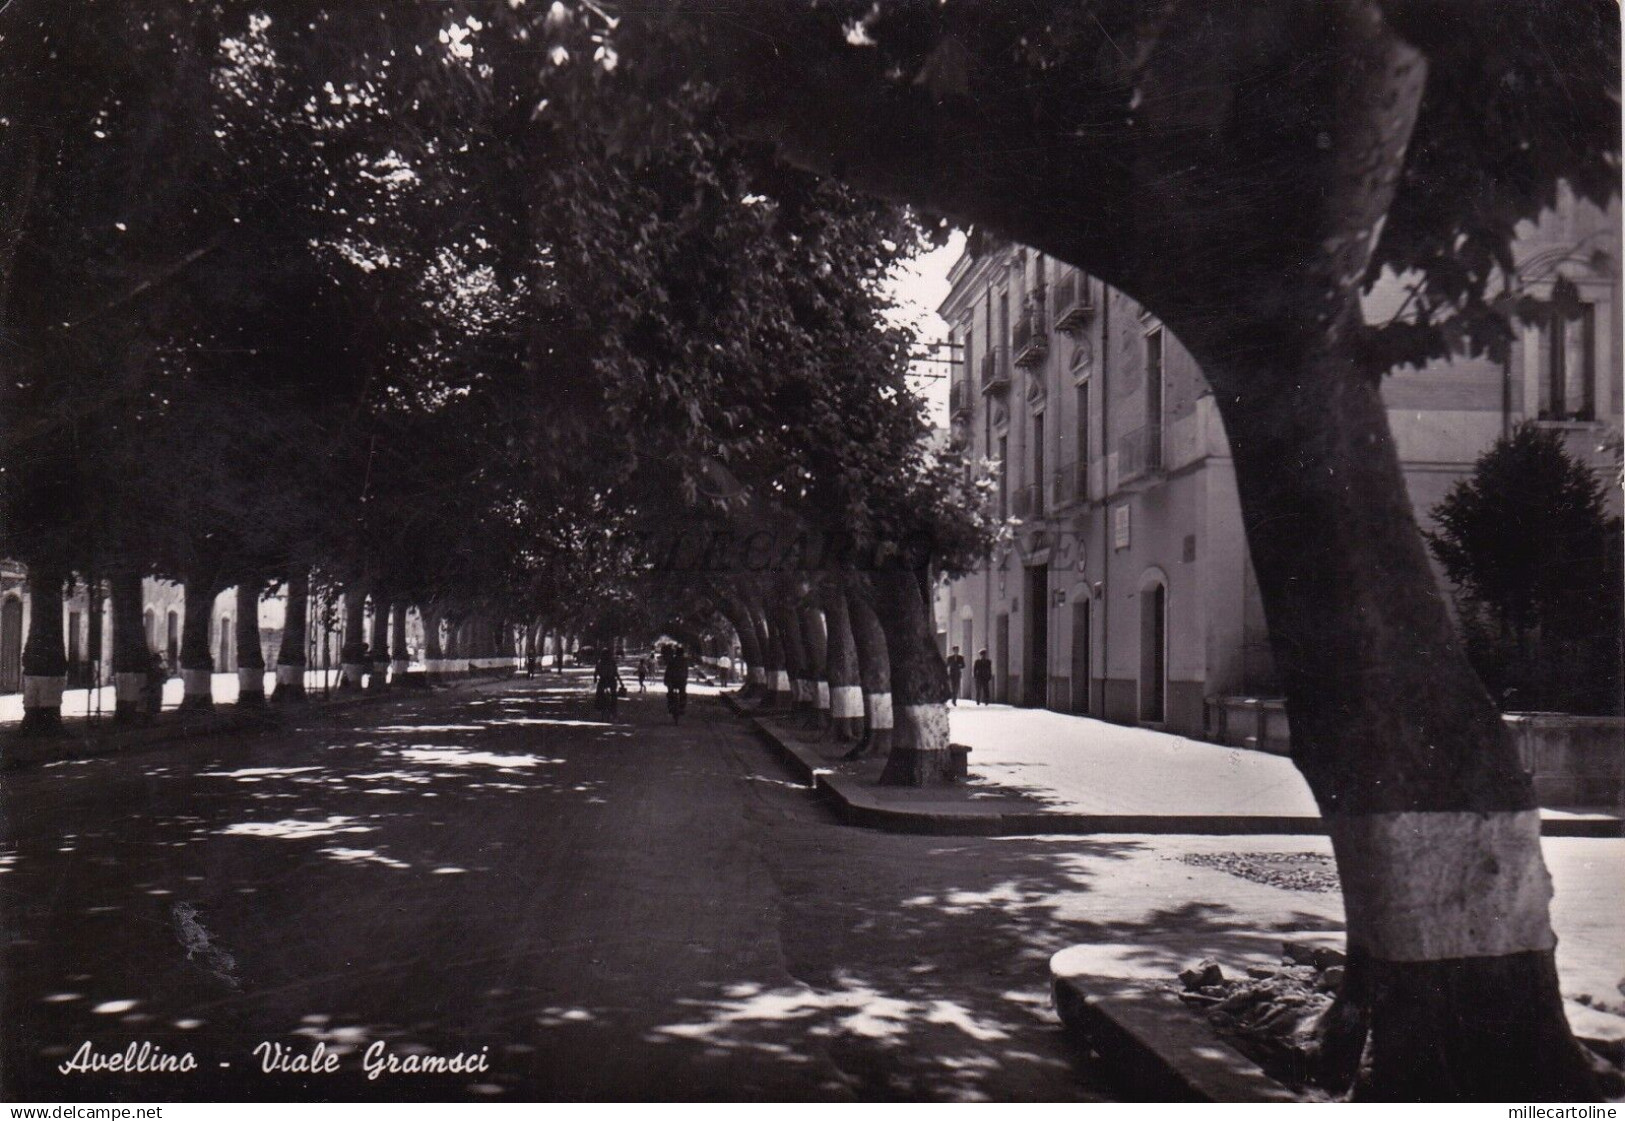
point(595, 910)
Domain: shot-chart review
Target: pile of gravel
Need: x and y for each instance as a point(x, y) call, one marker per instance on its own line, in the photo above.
point(1294, 871)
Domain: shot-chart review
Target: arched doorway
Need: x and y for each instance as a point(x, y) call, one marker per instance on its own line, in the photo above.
point(11, 645)
point(1153, 648)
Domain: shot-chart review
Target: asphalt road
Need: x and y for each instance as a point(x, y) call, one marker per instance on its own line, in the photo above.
point(582, 910)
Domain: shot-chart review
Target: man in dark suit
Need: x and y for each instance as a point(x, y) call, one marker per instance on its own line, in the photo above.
point(956, 673)
point(982, 675)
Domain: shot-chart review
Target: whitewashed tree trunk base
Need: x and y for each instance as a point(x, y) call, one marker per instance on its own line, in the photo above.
point(846, 712)
point(290, 684)
point(919, 754)
point(129, 696)
point(197, 688)
point(1434, 886)
point(43, 691)
point(42, 704)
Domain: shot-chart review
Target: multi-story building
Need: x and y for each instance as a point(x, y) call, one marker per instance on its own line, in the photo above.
point(1128, 593)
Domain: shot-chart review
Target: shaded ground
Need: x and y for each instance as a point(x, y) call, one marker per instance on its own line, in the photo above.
point(602, 911)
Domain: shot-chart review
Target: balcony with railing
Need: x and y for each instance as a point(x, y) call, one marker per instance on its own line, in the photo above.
point(996, 370)
point(1070, 299)
point(959, 401)
point(1069, 485)
point(1029, 339)
point(1139, 457)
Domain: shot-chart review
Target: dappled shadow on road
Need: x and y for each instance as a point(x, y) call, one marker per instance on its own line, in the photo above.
point(329, 872)
point(603, 910)
point(922, 963)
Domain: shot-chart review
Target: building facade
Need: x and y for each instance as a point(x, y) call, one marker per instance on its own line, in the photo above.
point(1128, 592)
point(163, 612)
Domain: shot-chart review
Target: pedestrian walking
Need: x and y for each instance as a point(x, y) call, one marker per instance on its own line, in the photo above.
point(607, 679)
point(157, 675)
point(982, 674)
point(956, 673)
point(643, 674)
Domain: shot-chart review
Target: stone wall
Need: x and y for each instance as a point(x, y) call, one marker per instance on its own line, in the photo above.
point(1574, 760)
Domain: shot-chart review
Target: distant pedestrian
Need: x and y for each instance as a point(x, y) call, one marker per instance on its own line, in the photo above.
point(982, 674)
point(607, 678)
point(956, 674)
point(643, 674)
point(157, 675)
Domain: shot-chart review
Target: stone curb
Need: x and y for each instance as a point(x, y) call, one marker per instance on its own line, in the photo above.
point(858, 804)
point(80, 739)
point(1156, 1047)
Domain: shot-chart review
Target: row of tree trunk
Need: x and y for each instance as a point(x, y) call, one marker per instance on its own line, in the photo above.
point(856, 653)
point(456, 644)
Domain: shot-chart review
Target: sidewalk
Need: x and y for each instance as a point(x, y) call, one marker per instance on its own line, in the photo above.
point(1214, 852)
point(89, 731)
point(81, 703)
point(1036, 771)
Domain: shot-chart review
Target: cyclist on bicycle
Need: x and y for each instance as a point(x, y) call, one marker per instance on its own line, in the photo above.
point(676, 684)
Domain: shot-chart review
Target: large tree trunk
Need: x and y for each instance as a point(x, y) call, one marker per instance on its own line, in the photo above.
point(455, 647)
point(841, 665)
point(250, 656)
point(434, 658)
point(378, 648)
point(45, 659)
point(476, 644)
point(738, 616)
point(291, 656)
point(400, 657)
point(787, 624)
point(463, 648)
point(94, 604)
point(919, 683)
point(1433, 821)
point(874, 668)
point(816, 637)
point(776, 678)
point(353, 653)
point(197, 659)
point(131, 658)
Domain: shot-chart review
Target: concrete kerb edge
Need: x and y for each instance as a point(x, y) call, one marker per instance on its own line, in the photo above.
point(1157, 1048)
point(855, 805)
